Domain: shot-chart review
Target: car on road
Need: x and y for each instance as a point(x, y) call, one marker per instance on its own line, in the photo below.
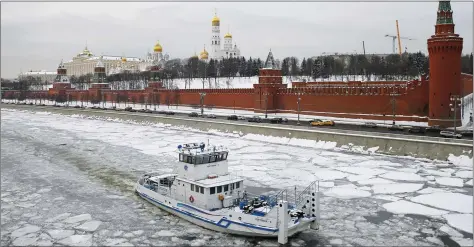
point(417, 129)
point(169, 113)
point(396, 127)
point(148, 111)
point(319, 122)
point(232, 117)
point(161, 112)
point(255, 120)
point(450, 134)
point(193, 114)
point(369, 125)
point(434, 128)
point(211, 116)
point(277, 120)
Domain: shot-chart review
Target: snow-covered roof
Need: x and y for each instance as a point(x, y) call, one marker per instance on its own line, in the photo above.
point(42, 72)
point(116, 58)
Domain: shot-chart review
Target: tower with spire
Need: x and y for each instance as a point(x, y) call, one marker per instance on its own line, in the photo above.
point(61, 74)
point(99, 72)
point(217, 51)
point(444, 48)
point(216, 36)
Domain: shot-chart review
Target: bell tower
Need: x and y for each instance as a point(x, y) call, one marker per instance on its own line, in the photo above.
point(444, 48)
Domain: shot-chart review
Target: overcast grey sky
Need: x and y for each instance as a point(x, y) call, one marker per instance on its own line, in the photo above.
point(38, 35)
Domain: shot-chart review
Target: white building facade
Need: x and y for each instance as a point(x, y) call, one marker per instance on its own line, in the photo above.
point(218, 50)
point(84, 62)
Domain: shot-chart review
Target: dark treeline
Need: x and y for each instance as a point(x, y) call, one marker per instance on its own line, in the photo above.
point(335, 67)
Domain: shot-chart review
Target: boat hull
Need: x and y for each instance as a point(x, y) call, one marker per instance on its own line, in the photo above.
point(219, 223)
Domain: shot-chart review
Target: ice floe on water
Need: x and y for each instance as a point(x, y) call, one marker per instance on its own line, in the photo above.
point(454, 202)
point(346, 192)
point(402, 176)
point(460, 221)
point(396, 188)
point(455, 182)
point(406, 207)
point(89, 226)
point(78, 218)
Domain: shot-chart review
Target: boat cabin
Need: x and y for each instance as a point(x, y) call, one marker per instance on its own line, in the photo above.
point(203, 178)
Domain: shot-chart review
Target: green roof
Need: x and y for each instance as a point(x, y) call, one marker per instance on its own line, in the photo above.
point(444, 7)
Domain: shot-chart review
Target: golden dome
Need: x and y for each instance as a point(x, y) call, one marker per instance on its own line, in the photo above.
point(204, 54)
point(216, 21)
point(227, 35)
point(124, 59)
point(157, 47)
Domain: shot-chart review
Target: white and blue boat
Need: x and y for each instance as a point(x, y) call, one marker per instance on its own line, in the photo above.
point(202, 191)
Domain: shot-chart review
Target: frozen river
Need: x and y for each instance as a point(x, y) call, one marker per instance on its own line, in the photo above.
point(69, 181)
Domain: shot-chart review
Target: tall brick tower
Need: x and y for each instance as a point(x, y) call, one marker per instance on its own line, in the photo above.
point(444, 48)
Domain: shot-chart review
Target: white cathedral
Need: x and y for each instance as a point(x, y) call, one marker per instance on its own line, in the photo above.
point(217, 51)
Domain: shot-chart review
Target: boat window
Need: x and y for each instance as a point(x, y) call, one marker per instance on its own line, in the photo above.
point(213, 158)
point(224, 156)
point(199, 159)
point(219, 189)
point(213, 190)
point(231, 186)
point(202, 190)
point(226, 187)
point(206, 159)
point(192, 187)
point(181, 157)
point(193, 160)
point(189, 160)
point(197, 188)
point(237, 185)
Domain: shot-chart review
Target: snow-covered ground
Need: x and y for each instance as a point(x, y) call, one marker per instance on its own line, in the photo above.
point(226, 112)
point(69, 180)
point(247, 82)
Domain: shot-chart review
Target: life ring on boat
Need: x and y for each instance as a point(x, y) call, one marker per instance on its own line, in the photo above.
point(191, 199)
point(221, 197)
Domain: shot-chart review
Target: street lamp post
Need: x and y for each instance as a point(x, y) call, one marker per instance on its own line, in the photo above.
point(455, 99)
point(299, 100)
point(202, 103)
point(266, 105)
point(393, 94)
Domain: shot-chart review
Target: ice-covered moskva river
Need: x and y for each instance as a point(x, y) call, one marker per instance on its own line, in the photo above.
point(69, 181)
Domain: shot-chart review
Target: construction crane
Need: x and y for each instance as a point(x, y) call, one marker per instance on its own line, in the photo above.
point(399, 38)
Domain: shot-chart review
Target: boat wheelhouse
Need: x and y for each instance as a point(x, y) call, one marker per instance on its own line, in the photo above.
point(202, 191)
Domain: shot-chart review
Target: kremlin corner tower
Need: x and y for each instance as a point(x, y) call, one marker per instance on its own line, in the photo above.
point(444, 48)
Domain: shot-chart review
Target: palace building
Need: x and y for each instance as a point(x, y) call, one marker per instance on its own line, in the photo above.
point(85, 62)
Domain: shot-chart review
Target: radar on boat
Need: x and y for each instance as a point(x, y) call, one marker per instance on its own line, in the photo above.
point(200, 148)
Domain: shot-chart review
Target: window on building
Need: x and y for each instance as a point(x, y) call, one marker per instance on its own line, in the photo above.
point(226, 188)
point(219, 189)
point(213, 190)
